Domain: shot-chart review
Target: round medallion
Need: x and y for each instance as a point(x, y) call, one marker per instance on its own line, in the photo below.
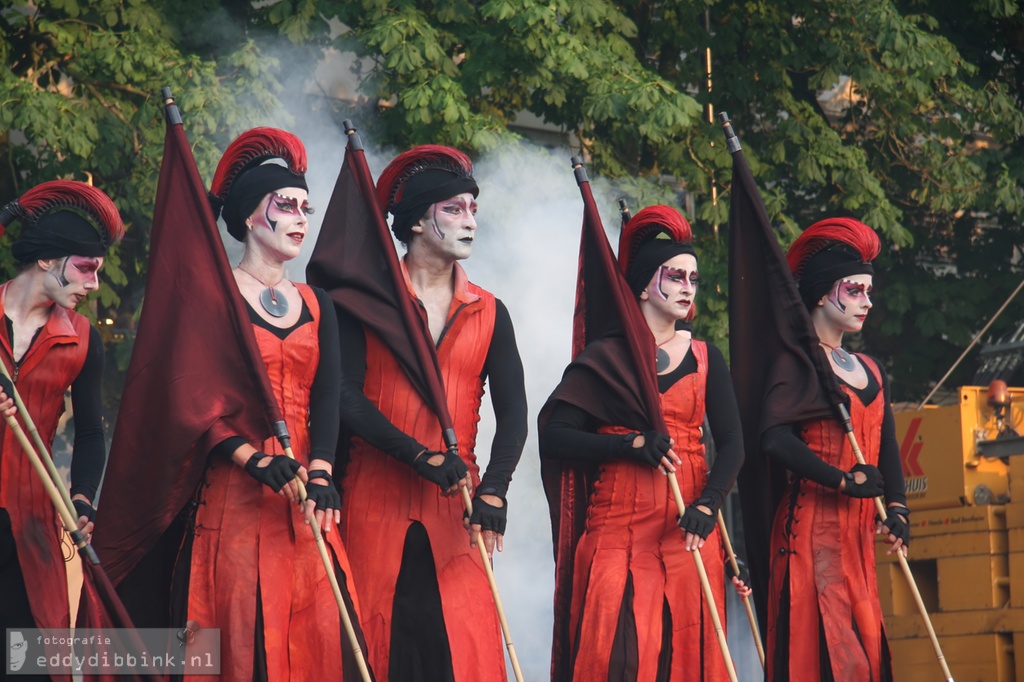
point(661, 360)
point(274, 302)
point(843, 360)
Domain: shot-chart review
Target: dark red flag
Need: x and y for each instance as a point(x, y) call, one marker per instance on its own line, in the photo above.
point(778, 370)
point(615, 380)
point(192, 380)
point(355, 261)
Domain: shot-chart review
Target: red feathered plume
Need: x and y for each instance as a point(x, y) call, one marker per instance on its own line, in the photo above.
point(411, 162)
point(57, 194)
point(826, 233)
point(254, 147)
point(645, 225)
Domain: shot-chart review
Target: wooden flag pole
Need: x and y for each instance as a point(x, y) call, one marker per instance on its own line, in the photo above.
point(489, 570)
point(705, 585)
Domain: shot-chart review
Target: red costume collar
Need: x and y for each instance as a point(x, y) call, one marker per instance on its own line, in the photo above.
point(463, 294)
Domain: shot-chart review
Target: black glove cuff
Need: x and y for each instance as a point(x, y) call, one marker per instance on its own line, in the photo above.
point(709, 501)
point(897, 509)
point(250, 464)
point(83, 508)
point(314, 474)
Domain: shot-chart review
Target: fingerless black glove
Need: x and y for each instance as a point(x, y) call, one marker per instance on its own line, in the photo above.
point(488, 516)
point(83, 508)
point(743, 575)
point(446, 474)
point(326, 497)
point(872, 487)
point(280, 470)
point(894, 521)
point(656, 445)
point(697, 522)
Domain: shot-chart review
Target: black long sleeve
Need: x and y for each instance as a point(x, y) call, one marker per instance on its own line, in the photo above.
point(889, 453)
point(89, 454)
point(569, 434)
point(503, 369)
point(357, 411)
point(726, 429)
point(325, 392)
point(784, 445)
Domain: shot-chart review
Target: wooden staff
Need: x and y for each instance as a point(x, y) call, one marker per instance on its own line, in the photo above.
point(881, 511)
point(729, 552)
point(64, 509)
point(42, 452)
point(321, 547)
point(489, 570)
point(698, 561)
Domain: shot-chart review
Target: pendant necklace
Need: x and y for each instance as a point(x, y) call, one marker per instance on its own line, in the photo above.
point(662, 360)
point(843, 360)
point(272, 300)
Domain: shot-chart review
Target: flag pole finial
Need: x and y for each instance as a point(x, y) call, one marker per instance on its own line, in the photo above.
point(173, 113)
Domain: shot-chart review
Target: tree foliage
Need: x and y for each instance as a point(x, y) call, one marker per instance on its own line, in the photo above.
point(925, 147)
point(924, 144)
point(80, 100)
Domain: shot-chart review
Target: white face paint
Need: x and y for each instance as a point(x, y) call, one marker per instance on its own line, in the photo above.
point(280, 222)
point(71, 279)
point(847, 304)
point(448, 227)
point(673, 287)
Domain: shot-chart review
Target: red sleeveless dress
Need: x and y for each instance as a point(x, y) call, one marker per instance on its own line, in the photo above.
point(247, 535)
point(383, 497)
point(631, 528)
point(49, 367)
point(823, 554)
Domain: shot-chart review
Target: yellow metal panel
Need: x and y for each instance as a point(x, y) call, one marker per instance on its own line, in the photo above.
point(985, 621)
point(1017, 581)
point(894, 593)
point(1015, 510)
point(971, 658)
point(967, 583)
point(943, 546)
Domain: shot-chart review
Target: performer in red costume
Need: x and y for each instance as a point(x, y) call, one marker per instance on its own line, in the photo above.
point(638, 612)
point(825, 622)
point(255, 570)
point(66, 229)
point(427, 609)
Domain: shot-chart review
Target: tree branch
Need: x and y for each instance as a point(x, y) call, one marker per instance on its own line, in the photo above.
point(112, 109)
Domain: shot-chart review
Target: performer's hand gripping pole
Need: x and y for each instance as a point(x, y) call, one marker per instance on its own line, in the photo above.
point(52, 482)
point(881, 511)
point(489, 570)
point(731, 554)
point(42, 451)
point(705, 586)
point(281, 431)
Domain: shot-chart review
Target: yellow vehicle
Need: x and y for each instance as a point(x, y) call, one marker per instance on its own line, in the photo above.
point(964, 469)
